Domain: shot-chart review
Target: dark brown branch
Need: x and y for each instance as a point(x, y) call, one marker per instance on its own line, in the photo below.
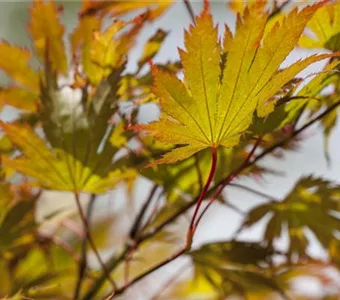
point(170, 281)
point(83, 257)
point(90, 240)
point(136, 225)
point(147, 272)
point(253, 191)
point(190, 10)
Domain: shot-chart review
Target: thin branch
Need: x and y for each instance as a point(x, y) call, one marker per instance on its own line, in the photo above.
point(296, 132)
point(90, 240)
point(82, 265)
point(147, 272)
point(153, 212)
point(136, 225)
point(116, 260)
point(253, 191)
point(193, 224)
point(113, 262)
point(229, 179)
point(190, 10)
point(170, 281)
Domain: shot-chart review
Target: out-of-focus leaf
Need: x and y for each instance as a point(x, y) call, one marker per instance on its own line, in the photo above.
point(116, 8)
point(309, 97)
point(60, 170)
point(235, 268)
point(6, 197)
point(6, 145)
point(17, 224)
point(152, 47)
point(39, 276)
point(101, 52)
point(309, 205)
point(325, 28)
point(234, 253)
point(105, 51)
point(137, 88)
point(19, 98)
point(81, 158)
point(270, 123)
point(236, 5)
point(47, 33)
point(329, 123)
point(82, 41)
point(16, 66)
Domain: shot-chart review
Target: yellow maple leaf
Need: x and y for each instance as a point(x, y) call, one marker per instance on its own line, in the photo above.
point(82, 40)
point(16, 66)
point(57, 169)
point(47, 33)
point(19, 98)
point(102, 51)
point(216, 104)
point(115, 8)
point(324, 28)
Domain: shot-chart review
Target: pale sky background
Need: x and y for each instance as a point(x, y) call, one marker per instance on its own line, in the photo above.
point(220, 222)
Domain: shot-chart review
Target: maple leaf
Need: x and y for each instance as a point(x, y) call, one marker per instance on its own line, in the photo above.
point(17, 224)
point(312, 100)
point(311, 199)
point(82, 40)
point(19, 98)
point(309, 96)
point(116, 8)
point(81, 158)
point(59, 170)
point(16, 66)
point(47, 33)
point(100, 52)
point(324, 28)
point(152, 47)
point(223, 87)
point(229, 269)
point(137, 87)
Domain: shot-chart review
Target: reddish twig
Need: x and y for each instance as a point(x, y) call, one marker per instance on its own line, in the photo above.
point(228, 180)
point(192, 227)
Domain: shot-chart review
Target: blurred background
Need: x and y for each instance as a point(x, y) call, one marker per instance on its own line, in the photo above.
point(220, 222)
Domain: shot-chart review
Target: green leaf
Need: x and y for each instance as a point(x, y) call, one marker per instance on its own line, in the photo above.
point(152, 47)
point(309, 205)
point(81, 158)
point(324, 29)
point(235, 268)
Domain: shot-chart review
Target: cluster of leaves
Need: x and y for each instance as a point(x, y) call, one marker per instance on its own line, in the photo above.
point(72, 134)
